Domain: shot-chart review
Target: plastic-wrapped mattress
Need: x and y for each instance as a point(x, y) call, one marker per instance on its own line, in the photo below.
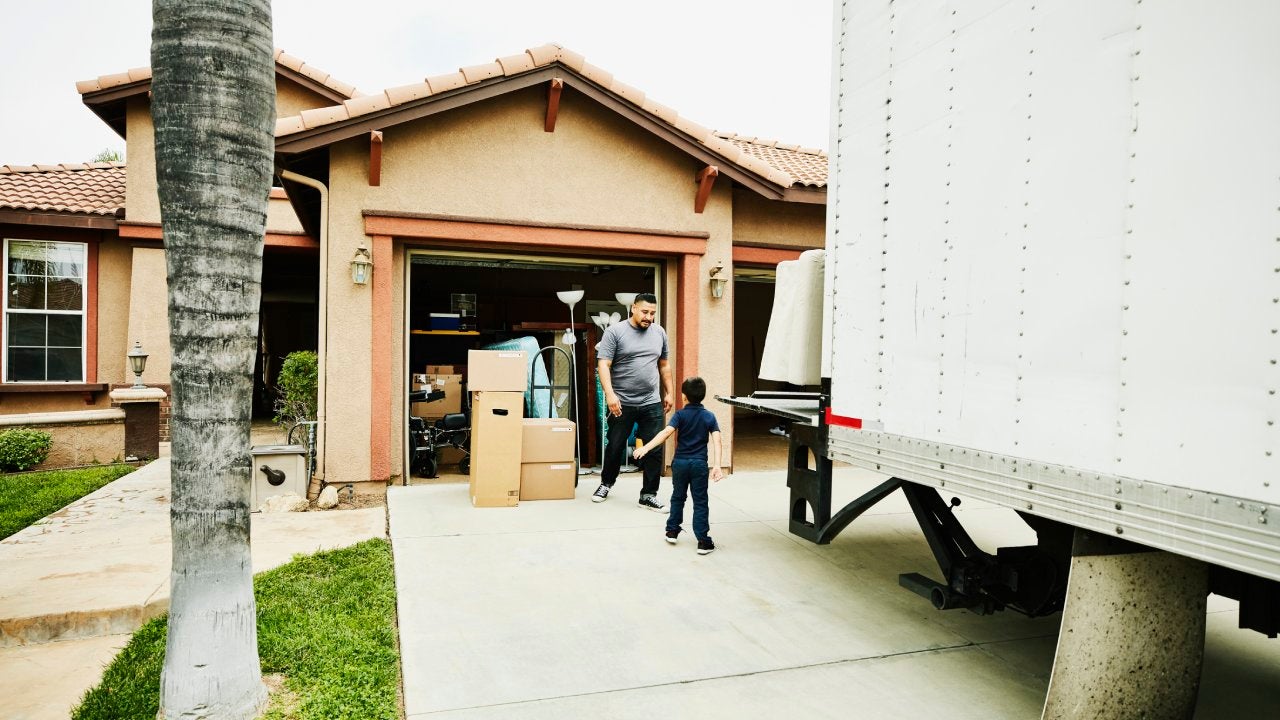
point(793, 345)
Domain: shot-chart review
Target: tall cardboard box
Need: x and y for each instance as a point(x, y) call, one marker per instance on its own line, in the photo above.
point(497, 370)
point(495, 448)
point(548, 481)
point(545, 440)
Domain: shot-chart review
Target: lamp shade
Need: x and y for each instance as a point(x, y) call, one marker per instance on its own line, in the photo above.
point(626, 299)
point(570, 297)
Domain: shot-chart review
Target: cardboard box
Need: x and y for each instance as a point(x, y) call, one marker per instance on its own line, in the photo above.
point(547, 481)
point(450, 403)
point(497, 370)
point(495, 453)
point(444, 370)
point(547, 440)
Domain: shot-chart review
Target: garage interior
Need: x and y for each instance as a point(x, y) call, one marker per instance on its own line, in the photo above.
point(514, 298)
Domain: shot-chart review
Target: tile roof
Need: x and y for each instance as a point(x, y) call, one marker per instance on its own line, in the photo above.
point(92, 188)
point(282, 58)
point(785, 165)
point(807, 166)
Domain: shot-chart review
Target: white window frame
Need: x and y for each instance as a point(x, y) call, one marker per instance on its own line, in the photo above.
point(83, 312)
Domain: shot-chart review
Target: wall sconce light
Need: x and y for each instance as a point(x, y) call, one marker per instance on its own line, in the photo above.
point(718, 282)
point(361, 266)
point(137, 363)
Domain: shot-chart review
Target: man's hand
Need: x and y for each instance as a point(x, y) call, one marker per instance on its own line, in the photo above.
point(667, 404)
point(615, 407)
point(716, 474)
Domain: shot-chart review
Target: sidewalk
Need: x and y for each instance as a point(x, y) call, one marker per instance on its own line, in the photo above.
point(79, 582)
point(569, 609)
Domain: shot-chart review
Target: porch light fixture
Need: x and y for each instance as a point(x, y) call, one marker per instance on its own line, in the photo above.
point(361, 266)
point(137, 363)
point(718, 282)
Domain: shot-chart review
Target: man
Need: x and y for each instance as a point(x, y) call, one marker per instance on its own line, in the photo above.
point(632, 362)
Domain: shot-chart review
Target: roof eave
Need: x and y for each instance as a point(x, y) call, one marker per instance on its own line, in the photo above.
point(49, 218)
point(493, 87)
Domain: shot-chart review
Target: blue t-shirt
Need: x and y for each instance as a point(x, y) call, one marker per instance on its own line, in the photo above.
point(694, 425)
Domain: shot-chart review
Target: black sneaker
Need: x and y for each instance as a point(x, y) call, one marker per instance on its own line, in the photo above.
point(706, 546)
point(600, 494)
point(671, 536)
point(650, 502)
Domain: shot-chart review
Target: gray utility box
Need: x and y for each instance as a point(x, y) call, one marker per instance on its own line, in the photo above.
point(277, 470)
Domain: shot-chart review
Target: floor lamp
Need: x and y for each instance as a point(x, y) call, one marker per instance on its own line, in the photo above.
point(572, 298)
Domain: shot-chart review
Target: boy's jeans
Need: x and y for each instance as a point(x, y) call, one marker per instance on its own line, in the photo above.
point(690, 476)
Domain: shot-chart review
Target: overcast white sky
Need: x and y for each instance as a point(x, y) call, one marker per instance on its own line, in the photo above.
point(753, 67)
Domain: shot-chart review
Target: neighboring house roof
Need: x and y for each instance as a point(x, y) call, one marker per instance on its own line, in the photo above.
point(105, 94)
point(782, 166)
point(85, 189)
point(807, 166)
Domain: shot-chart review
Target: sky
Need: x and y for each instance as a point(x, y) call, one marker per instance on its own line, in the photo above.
point(754, 67)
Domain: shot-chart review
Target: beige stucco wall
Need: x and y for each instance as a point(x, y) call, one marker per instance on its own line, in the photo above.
point(493, 160)
point(141, 202)
point(281, 218)
point(149, 313)
point(115, 273)
point(773, 223)
point(84, 444)
point(292, 98)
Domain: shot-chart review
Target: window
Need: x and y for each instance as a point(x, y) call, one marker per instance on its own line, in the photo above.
point(44, 311)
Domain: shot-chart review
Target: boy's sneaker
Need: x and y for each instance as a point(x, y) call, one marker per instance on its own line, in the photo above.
point(600, 494)
point(650, 502)
point(671, 536)
point(706, 546)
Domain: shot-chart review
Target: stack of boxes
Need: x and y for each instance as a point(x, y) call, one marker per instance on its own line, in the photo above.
point(497, 380)
point(514, 458)
point(449, 379)
point(547, 470)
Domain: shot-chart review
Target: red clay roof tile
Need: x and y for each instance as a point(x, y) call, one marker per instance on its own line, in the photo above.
point(406, 93)
point(75, 188)
point(513, 64)
point(106, 82)
point(444, 83)
point(476, 73)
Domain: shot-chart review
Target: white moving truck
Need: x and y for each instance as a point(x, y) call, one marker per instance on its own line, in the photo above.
point(1052, 282)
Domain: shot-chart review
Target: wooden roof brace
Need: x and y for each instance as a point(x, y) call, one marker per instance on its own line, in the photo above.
point(375, 158)
point(553, 103)
point(706, 178)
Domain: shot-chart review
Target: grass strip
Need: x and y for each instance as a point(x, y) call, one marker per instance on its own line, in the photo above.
point(28, 497)
point(326, 622)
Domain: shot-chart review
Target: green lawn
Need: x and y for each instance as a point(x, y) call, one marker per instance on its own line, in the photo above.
point(27, 497)
point(326, 622)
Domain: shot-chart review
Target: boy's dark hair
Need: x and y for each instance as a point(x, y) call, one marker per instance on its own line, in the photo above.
point(645, 297)
point(694, 388)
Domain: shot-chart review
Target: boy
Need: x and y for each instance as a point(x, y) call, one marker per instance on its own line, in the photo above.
point(693, 425)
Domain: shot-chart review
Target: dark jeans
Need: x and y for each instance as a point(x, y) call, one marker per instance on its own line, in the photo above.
point(690, 476)
point(650, 419)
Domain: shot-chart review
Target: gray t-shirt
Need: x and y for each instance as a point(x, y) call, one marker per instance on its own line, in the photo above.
point(635, 354)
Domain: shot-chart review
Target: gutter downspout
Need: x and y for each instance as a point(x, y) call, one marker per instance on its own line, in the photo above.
point(322, 343)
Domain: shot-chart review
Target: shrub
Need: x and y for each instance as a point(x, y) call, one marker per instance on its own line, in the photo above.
point(23, 449)
point(296, 388)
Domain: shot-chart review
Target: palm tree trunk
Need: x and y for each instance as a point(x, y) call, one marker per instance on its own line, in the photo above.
point(214, 112)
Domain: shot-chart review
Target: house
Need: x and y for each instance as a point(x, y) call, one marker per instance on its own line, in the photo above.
point(507, 181)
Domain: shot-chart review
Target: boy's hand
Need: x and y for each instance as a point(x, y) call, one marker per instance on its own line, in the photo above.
point(716, 474)
point(638, 453)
